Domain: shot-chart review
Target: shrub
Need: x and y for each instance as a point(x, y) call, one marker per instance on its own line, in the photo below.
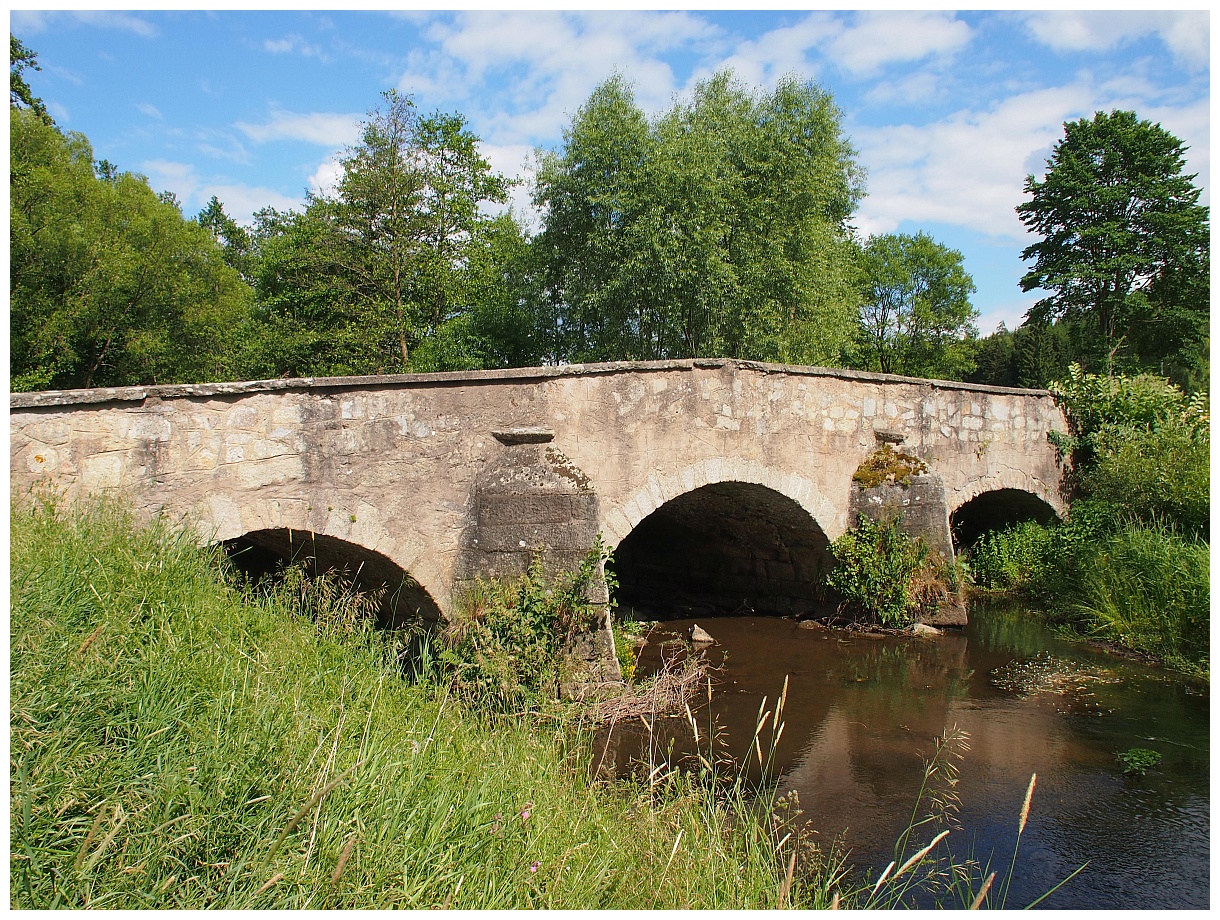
point(1140, 446)
point(505, 644)
point(889, 575)
point(1014, 559)
point(1152, 474)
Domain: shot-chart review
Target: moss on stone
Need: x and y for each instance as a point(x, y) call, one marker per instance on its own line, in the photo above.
point(886, 464)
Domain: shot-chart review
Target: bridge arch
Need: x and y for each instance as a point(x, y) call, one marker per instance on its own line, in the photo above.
point(996, 509)
point(722, 547)
point(334, 536)
point(403, 600)
point(1008, 479)
point(661, 488)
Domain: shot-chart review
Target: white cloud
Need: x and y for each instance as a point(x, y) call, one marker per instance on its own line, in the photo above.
point(969, 169)
point(544, 65)
point(1011, 313)
point(240, 201)
point(329, 129)
point(860, 46)
point(1184, 32)
point(222, 145)
point(289, 44)
point(172, 176)
point(515, 161)
point(34, 21)
point(148, 109)
point(780, 51)
point(325, 179)
point(876, 39)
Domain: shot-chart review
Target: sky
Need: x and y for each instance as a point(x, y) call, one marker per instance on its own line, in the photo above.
point(949, 112)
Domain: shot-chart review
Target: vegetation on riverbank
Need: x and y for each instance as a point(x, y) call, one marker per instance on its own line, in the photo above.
point(1130, 565)
point(177, 741)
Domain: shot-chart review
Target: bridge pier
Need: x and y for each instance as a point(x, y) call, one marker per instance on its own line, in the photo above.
point(532, 501)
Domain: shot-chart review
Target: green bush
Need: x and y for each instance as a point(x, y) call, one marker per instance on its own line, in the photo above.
point(887, 574)
point(1014, 559)
point(504, 645)
point(1153, 474)
point(1139, 446)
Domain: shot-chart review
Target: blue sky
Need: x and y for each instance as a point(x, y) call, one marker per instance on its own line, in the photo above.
point(949, 111)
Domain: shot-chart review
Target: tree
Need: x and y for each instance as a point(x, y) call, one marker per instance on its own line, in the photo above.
point(718, 230)
point(1124, 240)
point(108, 285)
point(21, 58)
point(234, 240)
point(372, 277)
point(915, 314)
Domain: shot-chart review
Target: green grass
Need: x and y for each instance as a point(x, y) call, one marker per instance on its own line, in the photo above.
point(178, 742)
point(1148, 589)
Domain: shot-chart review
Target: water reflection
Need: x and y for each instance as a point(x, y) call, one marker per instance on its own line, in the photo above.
point(864, 713)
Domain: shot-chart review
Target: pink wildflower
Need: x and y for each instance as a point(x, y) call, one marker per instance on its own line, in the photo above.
point(534, 866)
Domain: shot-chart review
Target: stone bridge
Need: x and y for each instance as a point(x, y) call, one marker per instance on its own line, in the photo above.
point(715, 482)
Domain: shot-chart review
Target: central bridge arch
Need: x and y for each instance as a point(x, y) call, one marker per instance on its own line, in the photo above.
point(727, 537)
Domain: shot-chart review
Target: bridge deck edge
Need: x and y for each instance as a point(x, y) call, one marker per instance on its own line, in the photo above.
point(56, 398)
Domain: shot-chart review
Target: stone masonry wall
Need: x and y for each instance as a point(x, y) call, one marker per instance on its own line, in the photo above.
point(393, 464)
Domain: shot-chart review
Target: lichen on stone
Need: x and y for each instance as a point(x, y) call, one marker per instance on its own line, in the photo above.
point(887, 465)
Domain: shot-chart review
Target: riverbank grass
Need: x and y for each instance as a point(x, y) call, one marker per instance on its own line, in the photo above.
point(178, 742)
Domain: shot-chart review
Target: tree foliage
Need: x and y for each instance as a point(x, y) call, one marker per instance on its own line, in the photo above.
point(720, 229)
point(108, 284)
point(375, 277)
point(20, 59)
point(915, 313)
point(1140, 447)
point(1125, 243)
point(1031, 355)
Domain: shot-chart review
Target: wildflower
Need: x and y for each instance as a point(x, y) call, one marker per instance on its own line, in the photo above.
point(525, 812)
point(534, 866)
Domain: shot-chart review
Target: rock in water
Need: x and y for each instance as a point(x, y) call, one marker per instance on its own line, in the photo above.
point(700, 635)
point(924, 630)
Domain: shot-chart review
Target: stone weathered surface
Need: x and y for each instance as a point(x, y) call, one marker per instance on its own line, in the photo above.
point(407, 466)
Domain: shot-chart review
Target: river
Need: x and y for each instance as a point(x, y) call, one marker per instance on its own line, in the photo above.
point(863, 715)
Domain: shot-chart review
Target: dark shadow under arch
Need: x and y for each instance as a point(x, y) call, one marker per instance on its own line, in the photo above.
point(720, 549)
point(996, 510)
point(261, 553)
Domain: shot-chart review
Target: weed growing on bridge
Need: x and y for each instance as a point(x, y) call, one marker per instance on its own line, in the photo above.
point(889, 575)
point(504, 646)
point(886, 465)
point(177, 742)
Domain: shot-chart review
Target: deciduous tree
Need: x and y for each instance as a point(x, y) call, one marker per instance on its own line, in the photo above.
point(720, 229)
point(108, 284)
point(1124, 242)
point(379, 267)
point(915, 314)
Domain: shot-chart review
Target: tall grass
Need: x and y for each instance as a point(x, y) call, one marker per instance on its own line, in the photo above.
point(1148, 589)
point(178, 742)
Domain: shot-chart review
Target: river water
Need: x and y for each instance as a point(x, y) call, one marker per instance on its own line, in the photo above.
point(863, 715)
